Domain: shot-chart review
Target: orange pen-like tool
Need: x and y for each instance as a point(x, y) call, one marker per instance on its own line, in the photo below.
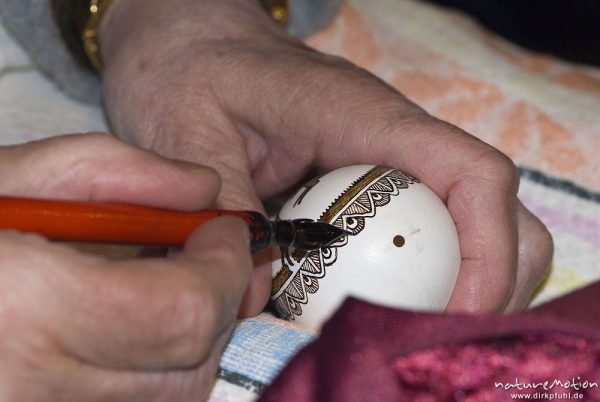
point(138, 225)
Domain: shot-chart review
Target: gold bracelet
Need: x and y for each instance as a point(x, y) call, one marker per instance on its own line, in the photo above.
point(89, 34)
point(278, 9)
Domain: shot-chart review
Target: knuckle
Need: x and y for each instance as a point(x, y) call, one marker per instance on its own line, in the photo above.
point(232, 248)
point(190, 321)
point(497, 168)
point(228, 254)
point(235, 261)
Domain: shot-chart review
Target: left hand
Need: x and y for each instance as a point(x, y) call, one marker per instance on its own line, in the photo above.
point(217, 83)
point(76, 327)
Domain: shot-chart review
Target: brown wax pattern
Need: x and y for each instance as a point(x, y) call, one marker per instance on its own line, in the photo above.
point(349, 211)
point(355, 189)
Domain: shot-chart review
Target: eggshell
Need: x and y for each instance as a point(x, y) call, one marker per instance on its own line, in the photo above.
point(403, 251)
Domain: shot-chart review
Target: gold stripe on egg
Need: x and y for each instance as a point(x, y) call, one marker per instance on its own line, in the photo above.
point(355, 189)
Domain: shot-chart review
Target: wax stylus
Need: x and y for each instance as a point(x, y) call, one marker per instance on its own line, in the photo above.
point(138, 225)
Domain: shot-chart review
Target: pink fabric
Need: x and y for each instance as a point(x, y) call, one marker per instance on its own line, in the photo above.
point(371, 353)
point(491, 370)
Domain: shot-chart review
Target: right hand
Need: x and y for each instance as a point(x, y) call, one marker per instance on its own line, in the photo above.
point(76, 327)
point(216, 82)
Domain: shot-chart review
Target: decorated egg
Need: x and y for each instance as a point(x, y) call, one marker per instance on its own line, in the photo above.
point(402, 250)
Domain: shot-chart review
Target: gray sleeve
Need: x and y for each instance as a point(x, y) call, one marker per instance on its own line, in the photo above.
point(309, 16)
point(31, 22)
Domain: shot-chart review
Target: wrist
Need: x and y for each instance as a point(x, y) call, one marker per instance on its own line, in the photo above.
point(154, 25)
point(79, 21)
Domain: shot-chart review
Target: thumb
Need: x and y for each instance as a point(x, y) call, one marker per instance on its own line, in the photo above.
point(98, 167)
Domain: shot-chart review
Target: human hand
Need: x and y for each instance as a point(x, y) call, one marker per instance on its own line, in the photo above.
point(218, 83)
point(76, 327)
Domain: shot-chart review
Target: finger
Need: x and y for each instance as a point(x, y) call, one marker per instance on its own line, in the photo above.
point(91, 383)
point(193, 384)
point(69, 304)
point(98, 167)
point(234, 163)
point(175, 385)
point(159, 314)
point(238, 193)
point(479, 185)
point(535, 256)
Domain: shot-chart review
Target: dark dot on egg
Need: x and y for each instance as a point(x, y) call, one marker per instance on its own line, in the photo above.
point(398, 241)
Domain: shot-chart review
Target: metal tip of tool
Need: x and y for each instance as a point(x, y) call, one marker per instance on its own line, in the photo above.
point(306, 234)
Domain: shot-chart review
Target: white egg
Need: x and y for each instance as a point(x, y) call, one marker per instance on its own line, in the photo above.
point(403, 251)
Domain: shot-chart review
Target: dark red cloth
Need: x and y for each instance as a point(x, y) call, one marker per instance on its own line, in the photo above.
point(371, 353)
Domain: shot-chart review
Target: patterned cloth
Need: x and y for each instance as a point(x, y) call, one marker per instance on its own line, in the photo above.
point(541, 111)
